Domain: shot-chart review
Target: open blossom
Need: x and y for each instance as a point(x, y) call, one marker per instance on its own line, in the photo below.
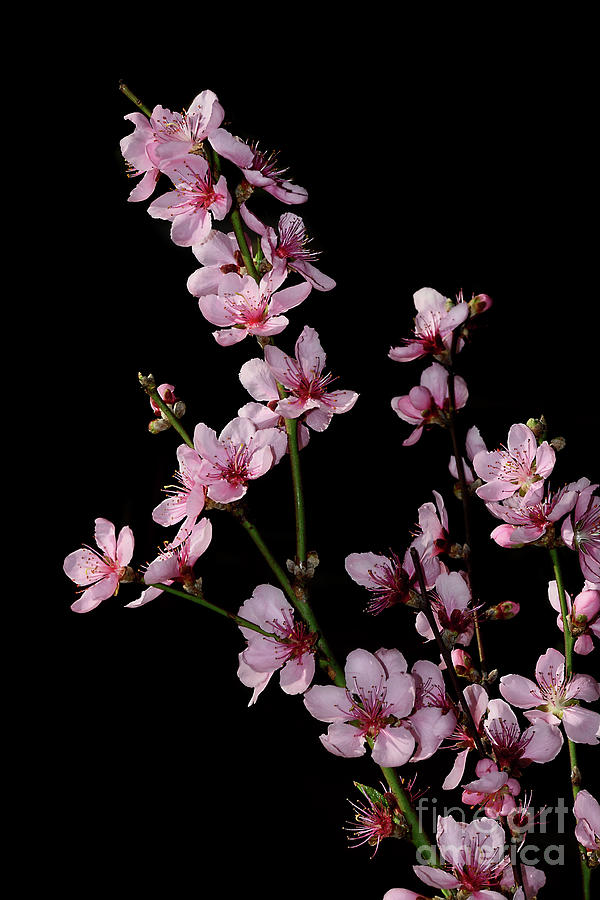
point(178, 134)
point(581, 530)
point(474, 854)
point(219, 255)
point(433, 719)
point(493, 790)
point(174, 564)
point(291, 650)
point(194, 202)
point(436, 319)
point(514, 749)
point(583, 614)
point(528, 518)
point(555, 697)
point(378, 696)
point(100, 573)
point(474, 444)
point(388, 580)
point(242, 307)
point(186, 498)
point(451, 609)
point(587, 812)
point(477, 700)
point(515, 468)
point(302, 376)
point(260, 168)
point(428, 403)
point(241, 453)
point(261, 384)
point(432, 535)
point(135, 149)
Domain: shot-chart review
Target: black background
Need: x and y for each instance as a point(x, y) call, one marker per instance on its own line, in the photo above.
point(428, 163)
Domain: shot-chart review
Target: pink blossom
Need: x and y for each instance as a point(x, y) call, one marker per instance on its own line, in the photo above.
point(529, 517)
point(287, 249)
point(555, 697)
point(243, 307)
point(134, 149)
point(428, 403)
point(260, 169)
point(451, 609)
point(477, 700)
point(437, 317)
point(174, 564)
point(378, 697)
point(515, 468)
point(474, 853)
point(581, 530)
point(515, 749)
point(302, 376)
point(374, 822)
point(261, 384)
point(178, 134)
point(433, 718)
point(100, 572)
point(493, 790)
point(291, 650)
point(432, 535)
point(241, 453)
point(587, 812)
point(186, 498)
point(583, 614)
point(474, 444)
point(388, 580)
point(194, 202)
point(220, 255)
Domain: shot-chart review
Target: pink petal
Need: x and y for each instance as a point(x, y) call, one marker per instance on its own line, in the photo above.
point(581, 725)
point(393, 746)
point(328, 703)
point(520, 691)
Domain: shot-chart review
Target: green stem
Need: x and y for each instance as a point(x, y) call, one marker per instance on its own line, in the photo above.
point(427, 850)
point(238, 228)
point(568, 642)
point(239, 620)
point(150, 387)
point(291, 426)
point(131, 96)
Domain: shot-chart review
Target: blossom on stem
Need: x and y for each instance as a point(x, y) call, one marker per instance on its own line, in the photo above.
point(101, 573)
point(587, 813)
point(243, 307)
point(374, 822)
point(493, 790)
point(219, 255)
point(135, 150)
point(581, 530)
point(433, 718)
point(286, 249)
point(174, 564)
point(436, 319)
point(302, 376)
point(241, 453)
point(388, 580)
point(514, 749)
point(477, 700)
point(261, 384)
point(373, 707)
point(474, 444)
point(291, 649)
point(178, 134)
point(555, 697)
point(450, 604)
point(528, 518)
point(194, 202)
point(583, 615)
point(432, 535)
point(259, 168)
point(429, 402)
point(514, 469)
point(185, 499)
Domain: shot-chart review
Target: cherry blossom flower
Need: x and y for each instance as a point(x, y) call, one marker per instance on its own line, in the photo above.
point(376, 821)
point(451, 609)
point(174, 564)
point(474, 444)
point(477, 700)
point(474, 853)
point(219, 255)
point(100, 572)
point(194, 202)
point(291, 650)
point(515, 468)
point(260, 169)
point(178, 134)
point(514, 749)
point(433, 719)
point(555, 697)
point(303, 377)
point(241, 453)
point(243, 307)
point(587, 812)
point(529, 518)
point(286, 249)
point(493, 790)
point(436, 319)
point(428, 403)
point(431, 532)
point(135, 150)
point(583, 614)
point(185, 500)
point(261, 384)
point(388, 580)
point(581, 530)
point(378, 697)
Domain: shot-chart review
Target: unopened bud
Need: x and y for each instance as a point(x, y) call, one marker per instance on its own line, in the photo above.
point(539, 428)
point(508, 609)
point(179, 409)
point(558, 443)
point(243, 192)
point(479, 303)
point(147, 381)
point(158, 425)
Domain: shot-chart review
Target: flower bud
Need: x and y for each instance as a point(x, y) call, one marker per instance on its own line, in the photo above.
point(479, 303)
point(539, 428)
point(158, 425)
point(179, 409)
point(508, 609)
